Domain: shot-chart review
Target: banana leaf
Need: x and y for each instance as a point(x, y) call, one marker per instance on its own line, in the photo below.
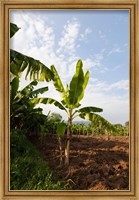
point(14, 87)
point(86, 78)
point(57, 81)
point(13, 29)
point(89, 109)
point(76, 85)
point(97, 118)
point(48, 101)
point(37, 70)
point(61, 128)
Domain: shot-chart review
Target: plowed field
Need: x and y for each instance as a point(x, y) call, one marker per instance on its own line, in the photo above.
point(95, 162)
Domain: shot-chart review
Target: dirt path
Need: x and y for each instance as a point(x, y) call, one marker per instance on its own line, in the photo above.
point(95, 163)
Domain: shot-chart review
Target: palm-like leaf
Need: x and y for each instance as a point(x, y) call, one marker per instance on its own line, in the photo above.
point(60, 88)
point(26, 93)
point(96, 119)
point(19, 62)
point(13, 29)
point(65, 97)
point(57, 81)
point(38, 91)
point(76, 85)
point(48, 101)
point(89, 109)
point(37, 70)
point(86, 78)
point(14, 87)
point(61, 128)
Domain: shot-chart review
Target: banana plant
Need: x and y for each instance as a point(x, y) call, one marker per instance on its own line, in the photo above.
point(20, 62)
point(71, 95)
point(95, 118)
point(20, 102)
point(61, 128)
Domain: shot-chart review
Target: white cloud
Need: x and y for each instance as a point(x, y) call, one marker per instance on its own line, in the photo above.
point(36, 38)
point(101, 35)
point(122, 84)
point(83, 36)
point(115, 107)
point(104, 87)
point(33, 33)
point(69, 37)
point(115, 50)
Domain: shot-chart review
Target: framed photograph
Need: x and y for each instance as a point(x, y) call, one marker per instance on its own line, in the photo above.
point(69, 99)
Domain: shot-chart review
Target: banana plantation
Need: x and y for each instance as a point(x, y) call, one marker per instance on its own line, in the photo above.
point(49, 153)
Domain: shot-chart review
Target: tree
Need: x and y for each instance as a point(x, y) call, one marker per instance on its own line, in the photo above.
point(71, 96)
point(127, 124)
point(53, 120)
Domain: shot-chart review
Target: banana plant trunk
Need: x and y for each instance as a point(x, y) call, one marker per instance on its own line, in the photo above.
point(107, 133)
point(69, 135)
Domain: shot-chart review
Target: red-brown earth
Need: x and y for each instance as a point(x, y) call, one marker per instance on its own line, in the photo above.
point(95, 162)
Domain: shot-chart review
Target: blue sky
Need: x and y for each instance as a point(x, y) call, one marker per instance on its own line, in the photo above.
point(99, 37)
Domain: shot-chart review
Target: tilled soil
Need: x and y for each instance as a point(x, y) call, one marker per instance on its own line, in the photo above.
point(95, 162)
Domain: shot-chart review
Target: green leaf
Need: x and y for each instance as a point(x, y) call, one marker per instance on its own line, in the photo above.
point(86, 78)
point(61, 128)
point(29, 88)
point(37, 70)
point(97, 118)
point(89, 109)
point(48, 101)
point(76, 85)
point(15, 69)
point(38, 91)
point(57, 81)
point(14, 87)
point(65, 97)
point(13, 29)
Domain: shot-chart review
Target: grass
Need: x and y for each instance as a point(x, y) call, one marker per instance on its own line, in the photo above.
point(28, 170)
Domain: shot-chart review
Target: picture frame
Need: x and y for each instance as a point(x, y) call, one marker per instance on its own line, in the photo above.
point(133, 7)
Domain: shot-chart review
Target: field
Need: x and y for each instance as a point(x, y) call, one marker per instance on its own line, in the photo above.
point(50, 151)
point(95, 162)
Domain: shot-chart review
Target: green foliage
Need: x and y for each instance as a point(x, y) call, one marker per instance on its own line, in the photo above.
point(70, 98)
point(95, 118)
point(61, 128)
point(52, 122)
point(76, 86)
point(55, 117)
point(127, 124)
point(13, 29)
point(14, 87)
point(22, 110)
point(37, 70)
point(19, 62)
point(89, 110)
point(98, 126)
point(28, 171)
point(57, 81)
point(48, 101)
point(121, 130)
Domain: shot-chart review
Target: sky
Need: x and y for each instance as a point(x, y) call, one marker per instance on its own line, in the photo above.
point(99, 37)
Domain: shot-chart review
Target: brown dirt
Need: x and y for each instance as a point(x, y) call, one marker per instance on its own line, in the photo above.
point(95, 162)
